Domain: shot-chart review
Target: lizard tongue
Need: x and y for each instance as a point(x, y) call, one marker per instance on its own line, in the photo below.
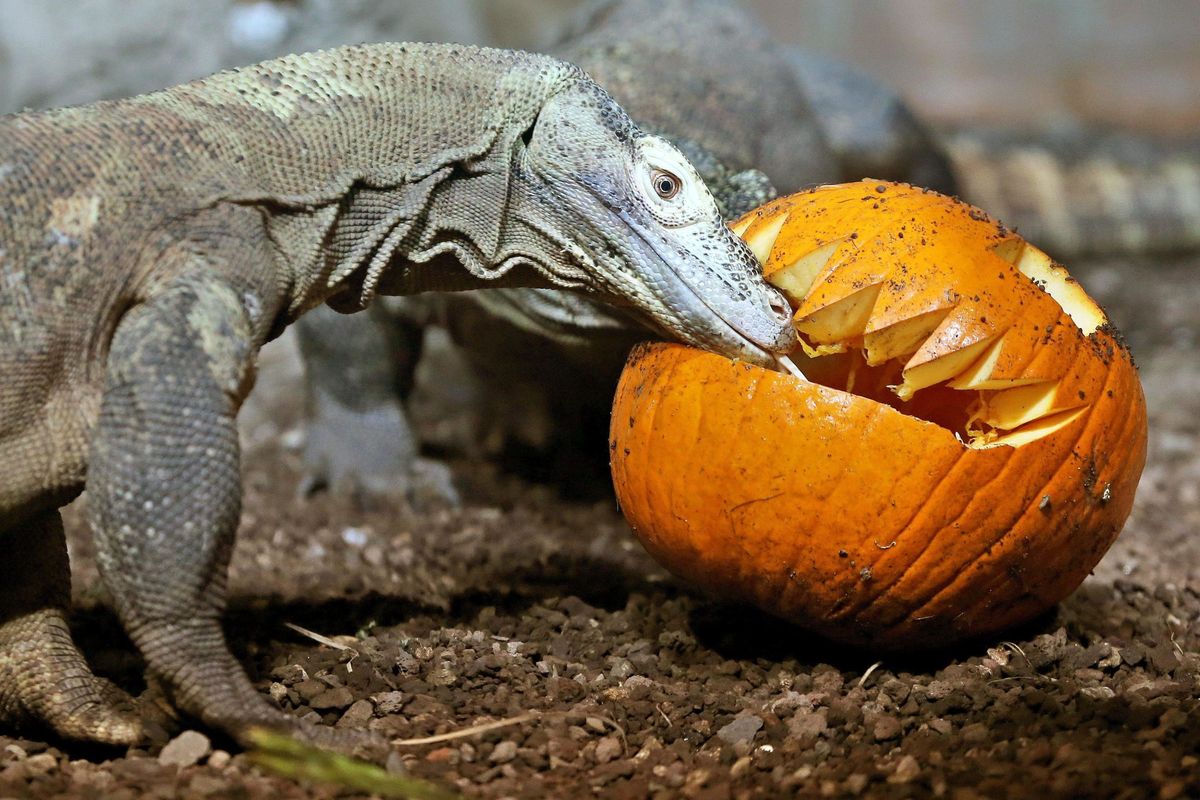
point(790, 367)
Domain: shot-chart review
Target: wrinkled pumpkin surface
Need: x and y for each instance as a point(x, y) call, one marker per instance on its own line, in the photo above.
point(964, 450)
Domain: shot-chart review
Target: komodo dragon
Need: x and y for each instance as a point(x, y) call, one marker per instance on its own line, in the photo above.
point(149, 247)
point(706, 75)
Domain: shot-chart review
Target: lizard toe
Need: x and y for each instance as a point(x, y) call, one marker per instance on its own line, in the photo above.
point(44, 680)
point(431, 486)
point(94, 711)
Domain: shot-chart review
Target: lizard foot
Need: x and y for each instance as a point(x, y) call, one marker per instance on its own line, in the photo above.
point(431, 485)
point(208, 684)
point(390, 471)
point(44, 679)
point(426, 485)
point(371, 453)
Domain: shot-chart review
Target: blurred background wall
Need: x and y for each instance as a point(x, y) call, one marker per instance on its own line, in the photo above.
point(1051, 63)
point(1026, 63)
point(1114, 62)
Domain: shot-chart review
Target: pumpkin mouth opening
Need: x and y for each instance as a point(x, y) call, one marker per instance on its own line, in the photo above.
point(978, 419)
point(849, 372)
point(966, 389)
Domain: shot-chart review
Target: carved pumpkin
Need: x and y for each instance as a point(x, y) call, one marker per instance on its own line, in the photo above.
point(965, 449)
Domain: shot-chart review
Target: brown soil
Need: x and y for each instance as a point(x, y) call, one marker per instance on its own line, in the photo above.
point(526, 601)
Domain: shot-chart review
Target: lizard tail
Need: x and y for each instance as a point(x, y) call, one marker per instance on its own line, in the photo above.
point(1075, 195)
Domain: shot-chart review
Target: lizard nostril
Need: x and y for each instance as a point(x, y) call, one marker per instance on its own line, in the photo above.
point(780, 307)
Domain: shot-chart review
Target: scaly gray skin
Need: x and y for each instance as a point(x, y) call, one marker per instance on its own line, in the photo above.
point(868, 128)
point(704, 74)
point(152, 245)
point(1086, 193)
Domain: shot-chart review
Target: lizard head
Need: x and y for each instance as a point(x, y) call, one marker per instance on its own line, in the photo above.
point(633, 223)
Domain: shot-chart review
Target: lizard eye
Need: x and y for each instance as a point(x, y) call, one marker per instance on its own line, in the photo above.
point(666, 185)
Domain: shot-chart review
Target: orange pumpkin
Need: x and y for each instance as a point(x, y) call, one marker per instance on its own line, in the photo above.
point(965, 449)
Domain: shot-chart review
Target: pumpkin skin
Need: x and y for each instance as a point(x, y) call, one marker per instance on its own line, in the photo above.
point(852, 515)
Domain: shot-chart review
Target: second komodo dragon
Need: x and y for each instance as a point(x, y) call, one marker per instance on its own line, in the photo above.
point(149, 247)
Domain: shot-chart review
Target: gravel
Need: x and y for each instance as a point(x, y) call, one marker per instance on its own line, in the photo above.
point(642, 687)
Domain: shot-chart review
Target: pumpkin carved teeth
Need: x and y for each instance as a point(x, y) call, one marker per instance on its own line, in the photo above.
point(839, 322)
point(762, 239)
point(742, 225)
point(902, 338)
point(989, 332)
point(1056, 281)
point(977, 375)
point(1012, 408)
point(927, 373)
point(1026, 434)
point(1020, 415)
point(797, 278)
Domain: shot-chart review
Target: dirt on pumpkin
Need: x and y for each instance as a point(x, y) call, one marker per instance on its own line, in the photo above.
point(528, 601)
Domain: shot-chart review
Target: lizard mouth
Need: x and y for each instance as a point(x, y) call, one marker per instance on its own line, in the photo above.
point(748, 347)
point(691, 314)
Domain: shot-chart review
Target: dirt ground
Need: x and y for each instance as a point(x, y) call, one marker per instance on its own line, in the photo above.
point(529, 601)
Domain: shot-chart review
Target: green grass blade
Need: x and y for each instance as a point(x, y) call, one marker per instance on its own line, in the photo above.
point(285, 756)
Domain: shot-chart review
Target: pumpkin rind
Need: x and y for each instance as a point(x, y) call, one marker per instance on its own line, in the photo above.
point(851, 518)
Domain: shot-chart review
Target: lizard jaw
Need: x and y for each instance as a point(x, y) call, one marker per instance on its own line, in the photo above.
point(731, 339)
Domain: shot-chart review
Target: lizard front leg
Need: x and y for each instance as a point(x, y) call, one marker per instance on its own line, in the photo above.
point(164, 489)
point(43, 677)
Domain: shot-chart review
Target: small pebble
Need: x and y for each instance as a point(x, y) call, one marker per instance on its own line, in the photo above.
point(607, 749)
point(741, 767)
point(504, 752)
point(741, 729)
point(185, 750)
point(41, 764)
point(340, 697)
point(355, 537)
point(357, 716)
point(906, 771)
point(621, 669)
point(206, 785)
point(388, 702)
point(290, 674)
point(807, 725)
point(309, 688)
point(887, 728)
point(441, 755)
